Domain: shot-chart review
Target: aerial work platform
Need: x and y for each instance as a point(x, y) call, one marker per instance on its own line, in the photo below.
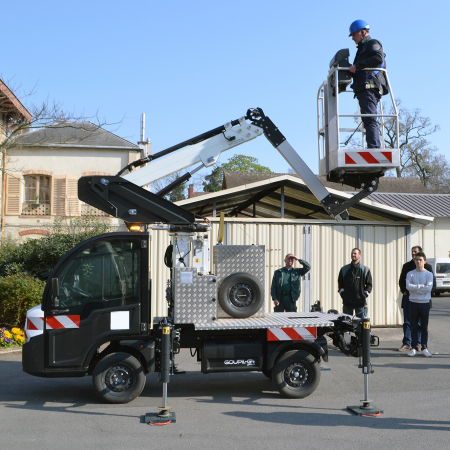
point(343, 155)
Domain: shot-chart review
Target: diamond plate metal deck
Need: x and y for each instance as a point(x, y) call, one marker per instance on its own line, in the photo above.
point(194, 302)
point(272, 320)
point(229, 259)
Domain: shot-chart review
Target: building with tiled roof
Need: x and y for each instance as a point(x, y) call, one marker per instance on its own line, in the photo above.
point(44, 168)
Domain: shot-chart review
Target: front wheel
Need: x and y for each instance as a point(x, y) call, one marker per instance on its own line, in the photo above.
point(118, 378)
point(296, 374)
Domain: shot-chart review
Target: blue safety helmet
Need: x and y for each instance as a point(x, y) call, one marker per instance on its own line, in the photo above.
point(358, 25)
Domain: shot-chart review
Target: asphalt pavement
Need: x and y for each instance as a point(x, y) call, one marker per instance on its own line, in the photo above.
point(243, 410)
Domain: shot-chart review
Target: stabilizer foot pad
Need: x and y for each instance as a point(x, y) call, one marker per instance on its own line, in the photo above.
point(371, 411)
point(155, 419)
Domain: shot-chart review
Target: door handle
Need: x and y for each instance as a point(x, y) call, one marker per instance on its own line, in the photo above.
point(58, 312)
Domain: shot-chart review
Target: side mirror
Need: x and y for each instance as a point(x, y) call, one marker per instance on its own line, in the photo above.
point(55, 292)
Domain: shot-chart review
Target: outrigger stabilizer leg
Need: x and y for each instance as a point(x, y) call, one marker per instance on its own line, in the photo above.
point(165, 415)
point(366, 409)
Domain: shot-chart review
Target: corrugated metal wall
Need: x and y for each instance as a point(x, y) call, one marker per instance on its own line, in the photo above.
point(434, 238)
point(383, 249)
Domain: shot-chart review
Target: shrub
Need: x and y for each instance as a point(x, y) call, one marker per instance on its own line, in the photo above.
point(18, 293)
point(37, 257)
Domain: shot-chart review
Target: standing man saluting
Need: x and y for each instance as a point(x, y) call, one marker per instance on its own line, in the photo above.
point(355, 285)
point(368, 86)
point(286, 284)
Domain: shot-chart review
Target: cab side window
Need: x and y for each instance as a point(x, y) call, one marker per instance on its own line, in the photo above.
point(103, 275)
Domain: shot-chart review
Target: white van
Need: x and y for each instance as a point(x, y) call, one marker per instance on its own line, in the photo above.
point(441, 269)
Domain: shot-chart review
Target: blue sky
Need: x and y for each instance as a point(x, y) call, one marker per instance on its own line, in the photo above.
point(194, 65)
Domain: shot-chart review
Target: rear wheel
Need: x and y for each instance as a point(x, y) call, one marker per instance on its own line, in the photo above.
point(296, 374)
point(118, 378)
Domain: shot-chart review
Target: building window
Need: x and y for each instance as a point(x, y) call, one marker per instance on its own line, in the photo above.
point(37, 189)
point(37, 195)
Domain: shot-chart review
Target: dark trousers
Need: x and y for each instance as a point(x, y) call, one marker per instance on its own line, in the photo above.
point(359, 312)
point(368, 103)
point(286, 304)
point(419, 311)
point(407, 325)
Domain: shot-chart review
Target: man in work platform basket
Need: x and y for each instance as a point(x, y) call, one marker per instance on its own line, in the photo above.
point(368, 86)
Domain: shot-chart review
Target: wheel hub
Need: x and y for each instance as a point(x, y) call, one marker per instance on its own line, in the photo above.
point(296, 374)
point(241, 295)
point(118, 378)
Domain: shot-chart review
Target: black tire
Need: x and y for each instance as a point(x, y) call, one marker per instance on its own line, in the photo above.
point(437, 293)
point(118, 378)
point(241, 295)
point(296, 374)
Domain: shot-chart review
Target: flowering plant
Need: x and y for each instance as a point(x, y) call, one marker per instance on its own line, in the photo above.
point(11, 338)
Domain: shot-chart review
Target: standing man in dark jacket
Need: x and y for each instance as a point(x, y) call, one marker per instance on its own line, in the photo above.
point(355, 285)
point(408, 267)
point(368, 86)
point(286, 284)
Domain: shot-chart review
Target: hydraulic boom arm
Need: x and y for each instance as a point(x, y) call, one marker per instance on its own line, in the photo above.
point(207, 147)
point(204, 149)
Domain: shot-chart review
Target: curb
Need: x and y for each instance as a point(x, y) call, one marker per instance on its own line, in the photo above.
point(6, 351)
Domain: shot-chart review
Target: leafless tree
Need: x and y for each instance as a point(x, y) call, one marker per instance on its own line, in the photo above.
point(16, 121)
point(416, 151)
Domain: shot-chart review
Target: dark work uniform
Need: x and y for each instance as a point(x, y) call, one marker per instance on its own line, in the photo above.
point(355, 284)
point(408, 267)
point(286, 287)
point(369, 86)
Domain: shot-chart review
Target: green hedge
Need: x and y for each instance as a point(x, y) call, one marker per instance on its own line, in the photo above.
point(18, 293)
point(38, 257)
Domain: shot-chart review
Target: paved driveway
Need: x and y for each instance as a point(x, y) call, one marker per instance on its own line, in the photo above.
point(224, 411)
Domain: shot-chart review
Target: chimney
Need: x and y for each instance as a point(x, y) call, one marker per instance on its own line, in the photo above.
point(191, 191)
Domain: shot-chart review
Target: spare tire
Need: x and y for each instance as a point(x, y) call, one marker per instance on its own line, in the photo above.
point(241, 295)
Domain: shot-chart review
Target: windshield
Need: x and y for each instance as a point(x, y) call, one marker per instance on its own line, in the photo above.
point(103, 275)
point(443, 268)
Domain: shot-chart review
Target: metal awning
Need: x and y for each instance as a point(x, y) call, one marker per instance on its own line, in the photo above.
point(287, 197)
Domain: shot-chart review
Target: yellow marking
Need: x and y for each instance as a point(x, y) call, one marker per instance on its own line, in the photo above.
point(367, 325)
point(166, 330)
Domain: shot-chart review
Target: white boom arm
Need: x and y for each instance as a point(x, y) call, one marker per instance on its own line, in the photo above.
point(206, 152)
point(206, 149)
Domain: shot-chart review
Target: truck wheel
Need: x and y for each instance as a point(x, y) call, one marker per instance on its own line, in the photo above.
point(118, 378)
point(437, 293)
point(296, 374)
point(241, 295)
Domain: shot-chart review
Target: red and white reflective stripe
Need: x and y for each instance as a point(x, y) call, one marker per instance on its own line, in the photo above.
point(291, 334)
point(368, 158)
point(57, 322)
point(34, 323)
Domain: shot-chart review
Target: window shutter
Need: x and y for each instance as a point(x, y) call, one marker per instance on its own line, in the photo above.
point(65, 196)
point(13, 194)
point(59, 195)
point(73, 205)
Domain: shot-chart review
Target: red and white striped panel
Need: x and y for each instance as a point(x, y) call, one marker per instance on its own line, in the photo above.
point(368, 157)
point(57, 322)
point(34, 324)
point(291, 334)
